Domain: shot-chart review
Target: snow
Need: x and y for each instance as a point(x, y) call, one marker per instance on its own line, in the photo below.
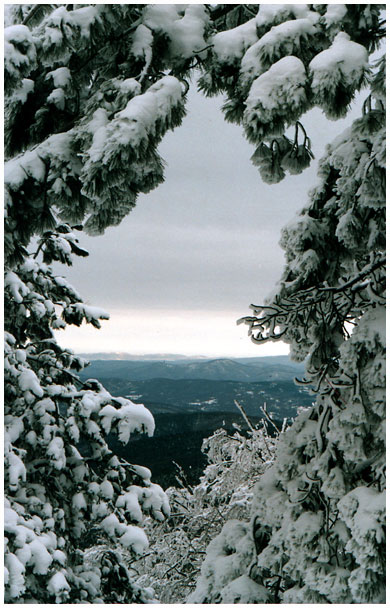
point(22, 37)
point(283, 84)
point(129, 501)
point(281, 40)
point(14, 427)
point(300, 10)
point(276, 98)
point(84, 17)
point(58, 147)
point(39, 309)
point(289, 33)
point(9, 339)
point(106, 489)
point(58, 585)
point(94, 487)
point(344, 55)
point(111, 525)
point(60, 557)
point(20, 355)
point(136, 122)
point(141, 45)
point(89, 404)
point(30, 265)
point(155, 501)
point(28, 381)
point(24, 554)
point(269, 13)
point(232, 44)
point(93, 312)
point(78, 502)
point(371, 330)
point(144, 110)
point(226, 556)
point(21, 93)
point(135, 539)
point(187, 33)
point(160, 17)
point(93, 428)
point(244, 590)
point(57, 97)
point(15, 575)
point(305, 528)
point(52, 37)
point(62, 282)
point(30, 164)
point(80, 19)
point(10, 516)
point(100, 509)
point(134, 417)
point(97, 127)
point(61, 77)
point(334, 485)
point(184, 26)
point(108, 414)
point(130, 416)
point(15, 170)
point(17, 288)
point(40, 557)
point(17, 470)
point(56, 452)
point(130, 87)
point(273, 14)
point(43, 406)
point(363, 511)
point(143, 472)
point(334, 14)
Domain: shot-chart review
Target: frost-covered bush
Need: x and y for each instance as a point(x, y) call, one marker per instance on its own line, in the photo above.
point(235, 462)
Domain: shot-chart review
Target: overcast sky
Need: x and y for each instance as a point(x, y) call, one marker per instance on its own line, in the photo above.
point(190, 258)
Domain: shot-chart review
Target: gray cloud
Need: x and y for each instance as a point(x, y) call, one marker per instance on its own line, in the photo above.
point(207, 239)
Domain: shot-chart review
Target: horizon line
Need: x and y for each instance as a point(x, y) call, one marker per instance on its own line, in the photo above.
point(187, 356)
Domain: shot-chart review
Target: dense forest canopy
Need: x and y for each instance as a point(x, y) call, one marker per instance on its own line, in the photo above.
point(91, 91)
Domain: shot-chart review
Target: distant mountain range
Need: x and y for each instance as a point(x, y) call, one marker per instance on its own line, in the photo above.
point(265, 369)
point(192, 397)
point(115, 356)
point(209, 386)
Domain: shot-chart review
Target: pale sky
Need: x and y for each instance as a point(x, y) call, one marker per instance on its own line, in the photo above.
point(190, 258)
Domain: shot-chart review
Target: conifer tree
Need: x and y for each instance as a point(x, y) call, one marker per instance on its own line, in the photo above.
point(81, 140)
point(91, 90)
point(318, 513)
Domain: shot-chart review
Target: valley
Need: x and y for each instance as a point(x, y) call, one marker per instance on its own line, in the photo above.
point(190, 399)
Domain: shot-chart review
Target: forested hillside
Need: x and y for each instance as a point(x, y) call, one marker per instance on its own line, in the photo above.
point(245, 370)
point(91, 90)
point(190, 400)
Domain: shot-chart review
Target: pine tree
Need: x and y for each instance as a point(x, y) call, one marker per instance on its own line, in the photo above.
point(81, 140)
point(91, 90)
point(318, 513)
